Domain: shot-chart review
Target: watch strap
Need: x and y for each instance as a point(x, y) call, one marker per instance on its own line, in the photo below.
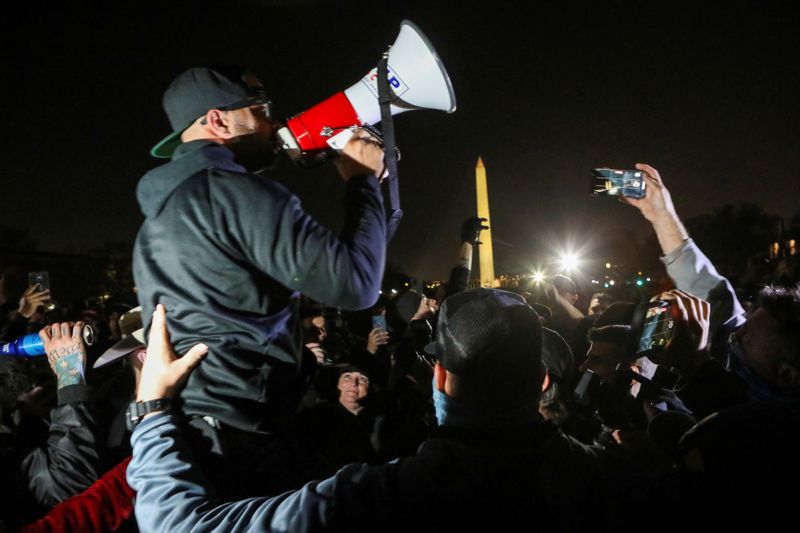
point(138, 410)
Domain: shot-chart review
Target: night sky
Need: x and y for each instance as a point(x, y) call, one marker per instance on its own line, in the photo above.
point(708, 94)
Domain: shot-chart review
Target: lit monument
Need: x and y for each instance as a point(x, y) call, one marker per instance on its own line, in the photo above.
point(485, 249)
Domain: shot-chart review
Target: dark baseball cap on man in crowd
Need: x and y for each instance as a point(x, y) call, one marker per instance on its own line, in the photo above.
point(493, 338)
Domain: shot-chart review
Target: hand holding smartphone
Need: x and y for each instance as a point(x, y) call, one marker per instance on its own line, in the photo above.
point(40, 282)
point(658, 327)
point(379, 322)
point(614, 182)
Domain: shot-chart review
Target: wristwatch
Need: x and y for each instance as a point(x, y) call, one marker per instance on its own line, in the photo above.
point(137, 410)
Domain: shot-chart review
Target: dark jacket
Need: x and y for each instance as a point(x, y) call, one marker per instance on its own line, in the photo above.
point(228, 253)
point(529, 478)
point(46, 474)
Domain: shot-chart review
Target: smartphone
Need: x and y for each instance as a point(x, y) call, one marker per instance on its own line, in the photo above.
point(613, 182)
point(658, 327)
point(379, 322)
point(40, 279)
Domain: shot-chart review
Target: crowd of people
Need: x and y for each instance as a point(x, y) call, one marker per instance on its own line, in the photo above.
point(263, 382)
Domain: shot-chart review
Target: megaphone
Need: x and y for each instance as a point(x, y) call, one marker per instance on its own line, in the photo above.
point(418, 80)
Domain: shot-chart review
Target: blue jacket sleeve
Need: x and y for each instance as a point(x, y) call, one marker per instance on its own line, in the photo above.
point(172, 495)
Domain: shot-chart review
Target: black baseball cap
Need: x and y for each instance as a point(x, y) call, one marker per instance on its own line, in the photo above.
point(193, 92)
point(493, 339)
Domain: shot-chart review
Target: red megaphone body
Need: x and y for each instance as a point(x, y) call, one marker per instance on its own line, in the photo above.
point(418, 80)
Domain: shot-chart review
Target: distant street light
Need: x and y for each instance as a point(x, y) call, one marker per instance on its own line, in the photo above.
point(569, 262)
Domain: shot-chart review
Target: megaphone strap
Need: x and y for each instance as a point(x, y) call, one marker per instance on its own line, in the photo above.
point(387, 128)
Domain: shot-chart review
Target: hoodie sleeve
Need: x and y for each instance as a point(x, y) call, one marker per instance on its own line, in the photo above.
point(269, 227)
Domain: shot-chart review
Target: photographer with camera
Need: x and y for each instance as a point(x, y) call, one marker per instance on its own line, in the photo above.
point(605, 387)
point(625, 343)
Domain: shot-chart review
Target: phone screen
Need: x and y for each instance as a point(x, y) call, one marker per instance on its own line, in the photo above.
point(658, 327)
point(610, 182)
point(42, 279)
point(379, 322)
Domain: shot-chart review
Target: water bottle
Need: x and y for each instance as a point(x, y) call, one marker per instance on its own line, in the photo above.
point(31, 345)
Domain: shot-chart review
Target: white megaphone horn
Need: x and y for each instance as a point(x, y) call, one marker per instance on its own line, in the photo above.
point(418, 80)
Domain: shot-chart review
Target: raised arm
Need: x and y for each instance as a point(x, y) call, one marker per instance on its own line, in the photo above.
point(686, 264)
point(342, 270)
point(470, 237)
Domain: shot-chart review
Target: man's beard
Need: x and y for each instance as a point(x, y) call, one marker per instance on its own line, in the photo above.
point(254, 152)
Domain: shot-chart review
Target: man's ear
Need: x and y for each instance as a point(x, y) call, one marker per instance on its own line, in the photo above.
point(439, 376)
point(218, 123)
point(137, 357)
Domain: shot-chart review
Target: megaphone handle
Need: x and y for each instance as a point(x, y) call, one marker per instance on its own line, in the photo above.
point(390, 157)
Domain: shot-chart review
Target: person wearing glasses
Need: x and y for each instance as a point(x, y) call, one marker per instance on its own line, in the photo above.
point(230, 250)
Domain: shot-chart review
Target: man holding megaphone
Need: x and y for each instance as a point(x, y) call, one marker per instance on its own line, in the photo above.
point(229, 251)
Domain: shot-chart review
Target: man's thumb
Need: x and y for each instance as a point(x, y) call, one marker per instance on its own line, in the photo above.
point(192, 358)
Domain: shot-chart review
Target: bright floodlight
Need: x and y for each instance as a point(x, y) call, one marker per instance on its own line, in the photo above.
point(569, 262)
point(538, 276)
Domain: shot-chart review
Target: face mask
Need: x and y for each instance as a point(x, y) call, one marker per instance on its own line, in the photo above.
point(452, 413)
point(448, 412)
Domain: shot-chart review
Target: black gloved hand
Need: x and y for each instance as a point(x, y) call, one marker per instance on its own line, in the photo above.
point(471, 230)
